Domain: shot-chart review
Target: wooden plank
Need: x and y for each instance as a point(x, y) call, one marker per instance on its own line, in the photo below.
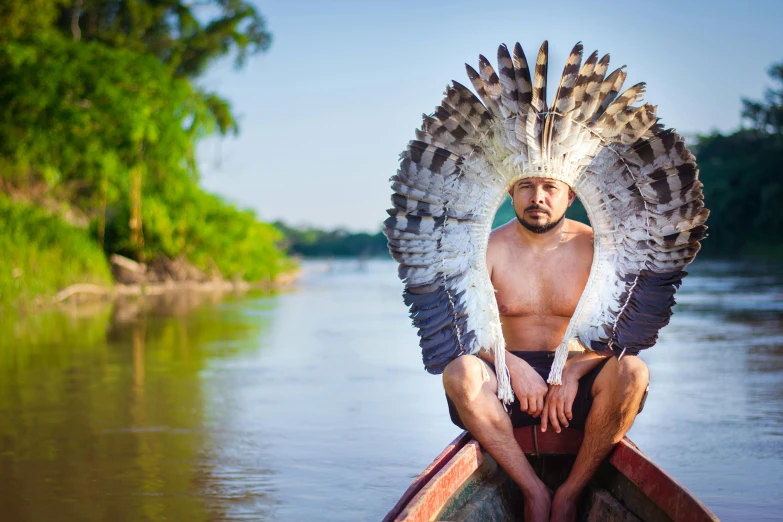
point(606, 508)
point(433, 496)
point(424, 477)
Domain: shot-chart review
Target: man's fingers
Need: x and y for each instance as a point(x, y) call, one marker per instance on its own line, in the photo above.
point(523, 403)
point(531, 410)
point(568, 413)
point(552, 413)
point(543, 421)
point(539, 406)
point(561, 415)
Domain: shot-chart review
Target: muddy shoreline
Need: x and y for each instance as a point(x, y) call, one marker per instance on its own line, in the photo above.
point(137, 280)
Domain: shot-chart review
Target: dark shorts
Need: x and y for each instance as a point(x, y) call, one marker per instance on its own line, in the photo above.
point(541, 363)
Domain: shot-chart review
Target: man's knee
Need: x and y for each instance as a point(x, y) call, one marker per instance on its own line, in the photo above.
point(623, 376)
point(633, 374)
point(464, 377)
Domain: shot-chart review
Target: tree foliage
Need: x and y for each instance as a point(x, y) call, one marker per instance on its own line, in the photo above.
point(743, 179)
point(43, 254)
point(186, 36)
point(766, 116)
point(107, 125)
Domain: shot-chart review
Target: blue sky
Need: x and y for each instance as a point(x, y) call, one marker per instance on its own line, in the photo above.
point(325, 113)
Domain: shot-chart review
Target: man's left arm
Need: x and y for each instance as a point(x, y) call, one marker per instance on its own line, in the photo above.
point(560, 398)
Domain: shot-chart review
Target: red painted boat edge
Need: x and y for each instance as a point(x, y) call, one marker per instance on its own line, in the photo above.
point(425, 476)
point(660, 487)
point(431, 498)
point(673, 498)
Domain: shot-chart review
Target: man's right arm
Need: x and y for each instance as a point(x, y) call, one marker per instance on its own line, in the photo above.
point(527, 384)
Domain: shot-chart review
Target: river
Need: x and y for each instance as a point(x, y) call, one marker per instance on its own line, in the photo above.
point(312, 403)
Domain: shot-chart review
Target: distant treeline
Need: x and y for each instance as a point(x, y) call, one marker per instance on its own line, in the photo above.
point(742, 174)
point(314, 242)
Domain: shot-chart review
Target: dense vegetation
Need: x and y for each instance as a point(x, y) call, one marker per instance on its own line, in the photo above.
point(743, 179)
point(53, 253)
point(100, 123)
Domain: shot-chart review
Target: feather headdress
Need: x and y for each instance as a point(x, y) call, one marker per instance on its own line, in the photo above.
point(637, 180)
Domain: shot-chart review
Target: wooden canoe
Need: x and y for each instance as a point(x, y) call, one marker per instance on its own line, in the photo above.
point(464, 483)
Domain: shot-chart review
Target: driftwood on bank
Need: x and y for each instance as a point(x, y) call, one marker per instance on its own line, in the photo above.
point(82, 288)
point(161, 276)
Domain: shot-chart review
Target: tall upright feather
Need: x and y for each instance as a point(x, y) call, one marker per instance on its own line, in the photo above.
point(555, 131)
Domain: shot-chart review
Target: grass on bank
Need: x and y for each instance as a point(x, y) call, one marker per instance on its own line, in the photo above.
point(42, 254)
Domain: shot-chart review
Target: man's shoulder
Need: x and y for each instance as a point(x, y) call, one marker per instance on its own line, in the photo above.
point(499, 242)
point(502, 234)
point(579, 229)
point(580, 236)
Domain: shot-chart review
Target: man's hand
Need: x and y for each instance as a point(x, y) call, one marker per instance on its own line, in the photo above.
point(559, 401)
point(527, 384)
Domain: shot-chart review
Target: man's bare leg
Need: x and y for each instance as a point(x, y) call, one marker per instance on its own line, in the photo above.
point(617, 393)
point(473, 388)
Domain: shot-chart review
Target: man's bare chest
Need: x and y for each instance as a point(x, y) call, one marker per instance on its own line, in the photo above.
point(542, 291)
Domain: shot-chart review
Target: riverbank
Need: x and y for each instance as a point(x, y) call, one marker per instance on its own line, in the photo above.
point(50, 254)
point(137, 280)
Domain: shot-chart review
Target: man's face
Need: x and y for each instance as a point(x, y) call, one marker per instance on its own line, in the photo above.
point(540, 203)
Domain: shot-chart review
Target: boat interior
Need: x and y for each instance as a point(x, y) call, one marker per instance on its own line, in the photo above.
point(490, 495)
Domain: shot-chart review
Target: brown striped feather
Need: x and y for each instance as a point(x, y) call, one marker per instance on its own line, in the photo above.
point(609, 89)
point(564, 99)
point(538, 100)
point(509, 93)
point(492, 86)
point(464, 101)
point(591, 98)
point(583, 79)
point(481, 90)
point(522, 74)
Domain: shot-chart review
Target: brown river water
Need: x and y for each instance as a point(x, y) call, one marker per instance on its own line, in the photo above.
point(312, 404)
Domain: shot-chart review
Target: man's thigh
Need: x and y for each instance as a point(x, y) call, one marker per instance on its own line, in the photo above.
point(471, 368)
point(539, 361)
point(584, 397)
point(587, 389)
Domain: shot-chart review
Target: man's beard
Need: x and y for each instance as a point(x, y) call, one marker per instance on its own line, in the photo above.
point(539, 229)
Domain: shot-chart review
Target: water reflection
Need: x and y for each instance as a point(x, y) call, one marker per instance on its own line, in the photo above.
point(313, 404)
point(104, 415)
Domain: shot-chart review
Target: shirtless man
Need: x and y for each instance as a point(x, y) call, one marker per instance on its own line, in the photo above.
point(539, 265)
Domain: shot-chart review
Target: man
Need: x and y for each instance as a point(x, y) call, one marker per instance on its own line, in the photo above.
point(539, 266)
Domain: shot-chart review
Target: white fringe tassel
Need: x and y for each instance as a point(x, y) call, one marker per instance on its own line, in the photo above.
point(505, 393)
point(561, 356)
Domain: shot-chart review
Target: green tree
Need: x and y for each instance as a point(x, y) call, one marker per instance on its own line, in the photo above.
point(186, 36)
point(743, 179)
point(766, 116)
point(104, 127)
point(25, 17)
